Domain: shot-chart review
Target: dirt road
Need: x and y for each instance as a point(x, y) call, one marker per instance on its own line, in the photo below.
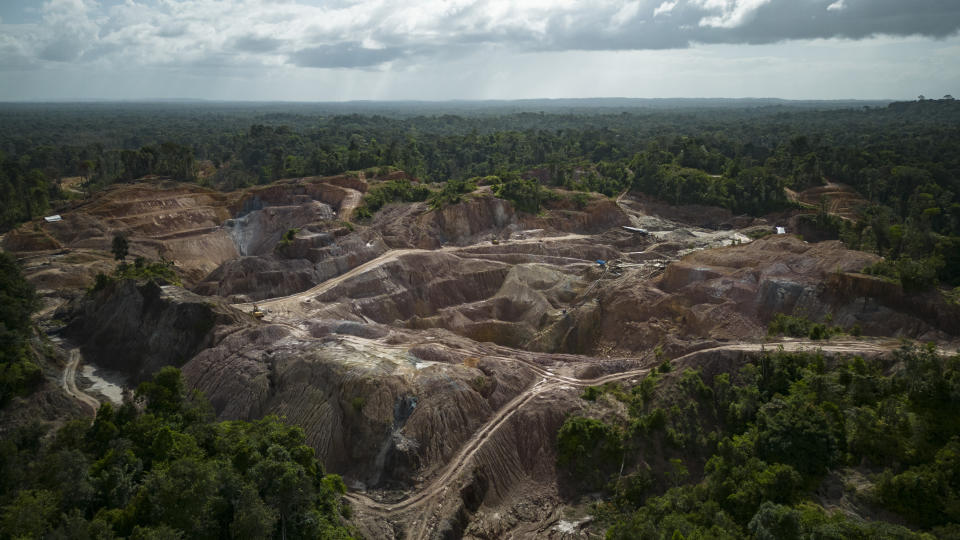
point(420, 500)
point(289, 305)
point(70, 382)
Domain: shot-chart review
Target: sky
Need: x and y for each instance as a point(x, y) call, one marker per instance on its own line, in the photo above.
point(344, 50)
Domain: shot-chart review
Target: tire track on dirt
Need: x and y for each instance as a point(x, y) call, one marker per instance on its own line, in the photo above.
point(69, 382)
point(288, 304)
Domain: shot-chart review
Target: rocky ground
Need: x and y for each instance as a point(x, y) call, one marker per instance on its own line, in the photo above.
point(431, 355)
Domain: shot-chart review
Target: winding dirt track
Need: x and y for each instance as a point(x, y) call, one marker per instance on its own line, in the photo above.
point(473, 445)
point(289, 303)
point(550, 382)
point(70, 382)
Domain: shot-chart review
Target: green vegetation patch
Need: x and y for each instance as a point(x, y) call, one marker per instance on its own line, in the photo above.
point(800, 326)
point(451, 193)
point(402, 190)
point(742, 455)
point(142, 269)
point(19, 372)
point(912, 274)
point(526, 194)
point(287, 238)
point(161, 468)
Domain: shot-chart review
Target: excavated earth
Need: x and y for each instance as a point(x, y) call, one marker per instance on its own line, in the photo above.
point(432, 355)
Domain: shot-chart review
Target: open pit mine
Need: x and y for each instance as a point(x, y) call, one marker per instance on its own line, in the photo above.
point(431, 355)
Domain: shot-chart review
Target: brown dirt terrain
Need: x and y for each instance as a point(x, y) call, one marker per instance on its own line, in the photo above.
point(198, 229)
point(431, 356)
point(841, 199)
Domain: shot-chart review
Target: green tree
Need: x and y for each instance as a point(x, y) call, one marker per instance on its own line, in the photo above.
point(30, 515)
point(19, 372)
point(164, 394)
point(119, 247)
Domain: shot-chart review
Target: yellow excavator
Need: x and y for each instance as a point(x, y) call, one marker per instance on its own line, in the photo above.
point(257, 312)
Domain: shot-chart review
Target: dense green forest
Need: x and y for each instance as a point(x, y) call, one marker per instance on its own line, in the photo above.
point(166, 470)
point(765, 440)
point(19, 372)
point(903, 157)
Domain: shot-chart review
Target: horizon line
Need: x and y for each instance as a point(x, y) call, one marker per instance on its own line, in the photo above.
point(439, 101)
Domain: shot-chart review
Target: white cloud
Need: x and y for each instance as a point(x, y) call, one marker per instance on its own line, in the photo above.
point(733, 13)
point(626, 13)
point(665, 8)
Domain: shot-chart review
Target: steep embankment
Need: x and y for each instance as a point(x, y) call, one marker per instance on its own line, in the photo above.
point(139, 328)
point(201, 231)
point(735, 291)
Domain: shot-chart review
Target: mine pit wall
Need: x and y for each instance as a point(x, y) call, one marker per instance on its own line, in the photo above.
point(517, 463)
point(292, 192)
point(736, 291)
point(137, 329)
point(524, 449)
point(311, 258)
point(258, 231)
point(348, 419)
point(369, 419)
point(470, 222)
point(598, 216)
point(883, 308)
point(460, 224)
point(879, 307)
point(399, 291)
point(483, 218)
point(255, 278)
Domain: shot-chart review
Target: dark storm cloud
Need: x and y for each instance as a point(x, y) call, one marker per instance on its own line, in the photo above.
point(682, 23)
point(854, 19)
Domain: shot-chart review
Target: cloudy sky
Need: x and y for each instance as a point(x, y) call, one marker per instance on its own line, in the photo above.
point(318, 50)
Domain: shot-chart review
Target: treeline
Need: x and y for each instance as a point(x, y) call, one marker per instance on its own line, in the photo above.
point(904, 158)
point(746, 454)
point(252, 147)
point(19, 372)
point(161, 468)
